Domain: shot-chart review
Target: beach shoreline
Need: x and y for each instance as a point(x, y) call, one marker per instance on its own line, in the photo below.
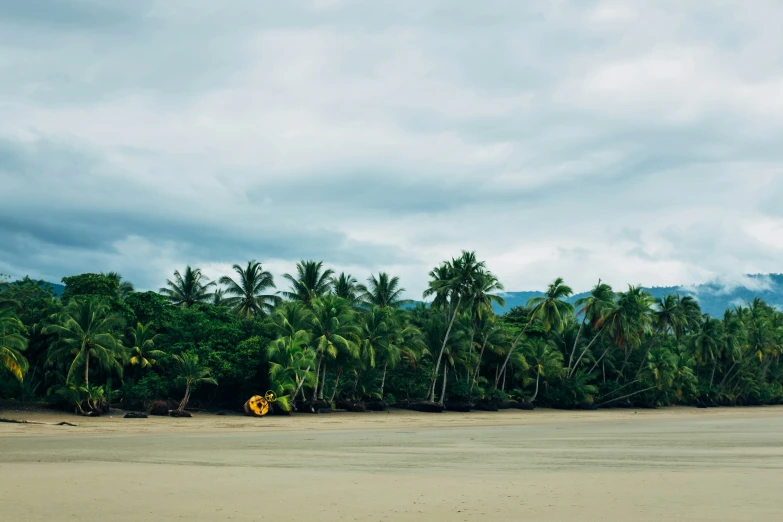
point(720, 464)
point(207, 422)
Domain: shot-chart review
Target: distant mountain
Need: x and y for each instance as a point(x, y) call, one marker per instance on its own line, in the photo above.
point(713, 297)
point(58, 288)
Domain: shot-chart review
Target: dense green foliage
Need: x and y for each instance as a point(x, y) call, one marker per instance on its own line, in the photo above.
point(328, 337)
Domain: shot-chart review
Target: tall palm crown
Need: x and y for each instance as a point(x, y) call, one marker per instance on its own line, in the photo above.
point(125, 288)
point(334, 327)
point(552, 309)
point(248, 298)
point(347, 287)
point(12, 344)
point(384, 291)
point(631, 318)
point(439, 287)
point(188, 289)
point(310, 283)
point(706, 341)
point(87, 329)
point(595, 306)
point(142, 350)
point(483, 296)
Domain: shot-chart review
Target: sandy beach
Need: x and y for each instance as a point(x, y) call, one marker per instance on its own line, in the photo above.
point(670, 464)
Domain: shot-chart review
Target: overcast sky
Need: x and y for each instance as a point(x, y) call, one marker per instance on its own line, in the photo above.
point(639, 142)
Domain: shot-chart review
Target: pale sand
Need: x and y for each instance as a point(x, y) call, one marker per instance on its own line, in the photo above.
point(672, 464)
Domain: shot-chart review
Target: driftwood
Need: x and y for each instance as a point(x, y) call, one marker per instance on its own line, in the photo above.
point(14, 421)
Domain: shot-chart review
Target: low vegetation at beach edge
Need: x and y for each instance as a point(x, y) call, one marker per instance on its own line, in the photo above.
point(326, 341)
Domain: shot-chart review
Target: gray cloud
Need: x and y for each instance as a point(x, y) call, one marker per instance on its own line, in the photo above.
point(633, 142)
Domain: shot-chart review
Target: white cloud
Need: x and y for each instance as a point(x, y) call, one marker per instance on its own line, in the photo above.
point(639, 144)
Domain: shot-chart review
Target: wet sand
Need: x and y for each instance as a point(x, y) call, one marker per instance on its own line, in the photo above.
point(671, 464)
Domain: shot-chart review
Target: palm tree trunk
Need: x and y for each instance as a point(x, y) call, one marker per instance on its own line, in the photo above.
point(470, 350)
point(573, 350)
point(299, 386)
point(535, 394)
point(600, 359)
point(511, 350)
point(503, 388)
point(383, 378)
point(442, 349)
point(626, 396)
point(186, 398)
point(317, 378)
point(712, 376)
point(323, 383)
point(478, 367)
point(576, 364)
point(443, 388)
point(336, 384)
point(87, 367)
point(727, 374)
point(355, 385)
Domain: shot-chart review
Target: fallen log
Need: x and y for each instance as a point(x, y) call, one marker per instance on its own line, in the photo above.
point(15, 421)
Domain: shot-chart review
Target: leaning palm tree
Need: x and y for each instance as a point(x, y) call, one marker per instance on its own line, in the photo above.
point(142, 350)
point(593, 308)
point(705, 344)
point(87, 330)
point(188, 289)
point(311, 282)
point(12, 344)
point(334, 332)
point(384, 292)
point(291, 358)
point(192, 373)
point(450, 283)
point(551, 309)
point(544, 360)
point(248, 298)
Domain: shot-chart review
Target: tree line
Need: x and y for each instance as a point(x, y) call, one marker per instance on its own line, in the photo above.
point(326, 338)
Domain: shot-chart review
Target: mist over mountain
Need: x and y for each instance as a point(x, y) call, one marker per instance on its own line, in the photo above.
point(714, 297)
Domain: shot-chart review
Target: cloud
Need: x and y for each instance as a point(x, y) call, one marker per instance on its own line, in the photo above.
point(636, 143)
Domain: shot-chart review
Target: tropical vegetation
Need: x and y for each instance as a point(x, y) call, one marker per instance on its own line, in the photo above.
point(326, 339)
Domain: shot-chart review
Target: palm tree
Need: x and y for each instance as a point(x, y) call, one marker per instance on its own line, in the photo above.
point(669, 316)
point(705, 343)
point(310, 282)
point(593, 308)
point(248, 298)
point(125, 288)
point(451, 283)
point(384, 291)
point(346, 287)
point(12, 344)
point(218, 297)
point(482, 300)
point(629, 321)
point(87, 329)
point(490, 334)
point(192, 373)
point(551, 309)
point(544, 359)
point(334, 332)
point(189, 289)
point(291, 358)
point(142, 352)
